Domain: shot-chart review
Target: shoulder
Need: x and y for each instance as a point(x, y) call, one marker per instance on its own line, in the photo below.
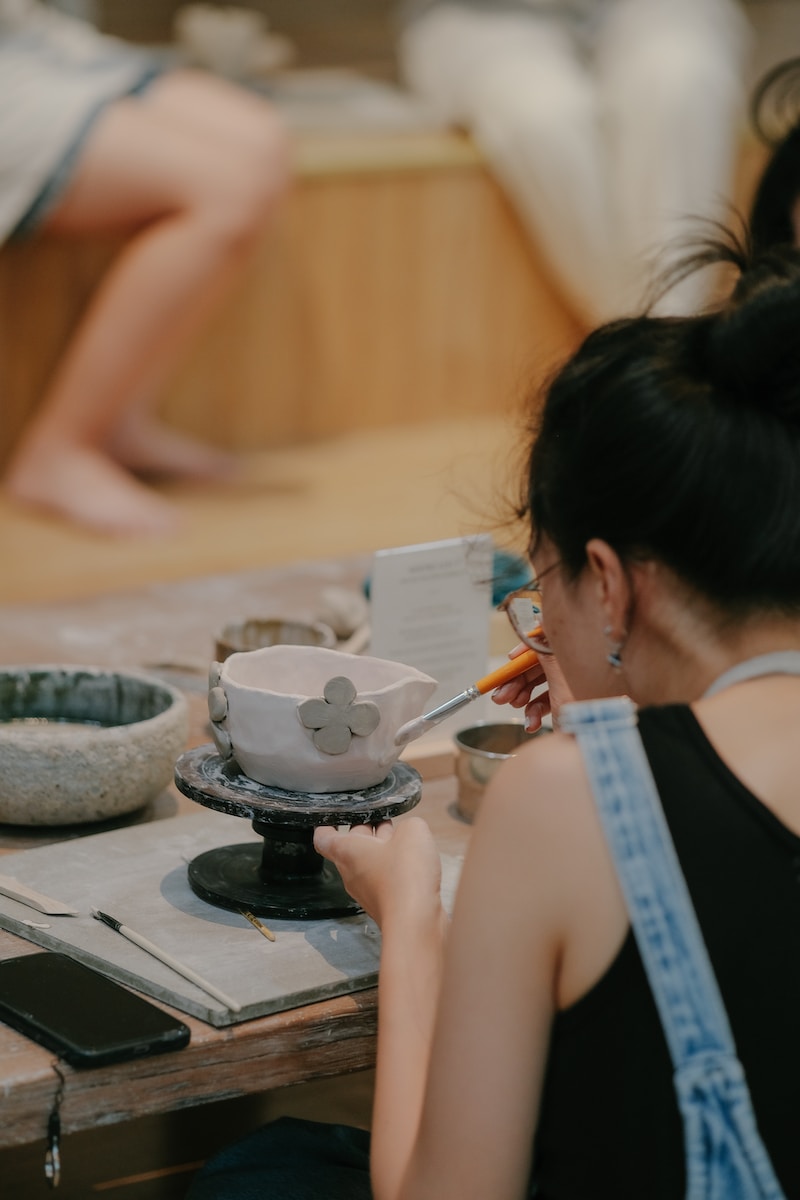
point(539, 823)
point(539, 811)
point(543, 780)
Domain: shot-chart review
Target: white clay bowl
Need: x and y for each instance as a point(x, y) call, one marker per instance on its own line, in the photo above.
point(277, 712)
point(81, 744)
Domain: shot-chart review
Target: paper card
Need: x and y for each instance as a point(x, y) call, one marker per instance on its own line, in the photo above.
point(431, 607)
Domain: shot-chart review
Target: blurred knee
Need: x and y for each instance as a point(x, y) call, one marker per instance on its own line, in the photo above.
point(244, 187)
point(259, 175)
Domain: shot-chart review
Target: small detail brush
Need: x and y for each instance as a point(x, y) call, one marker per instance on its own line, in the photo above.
point(180, 968)
point(510, 670)
point(259, 925)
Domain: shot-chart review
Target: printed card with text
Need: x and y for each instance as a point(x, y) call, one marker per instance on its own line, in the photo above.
point(431, 607)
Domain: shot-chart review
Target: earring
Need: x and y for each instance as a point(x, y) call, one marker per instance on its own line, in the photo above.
point(614, 656)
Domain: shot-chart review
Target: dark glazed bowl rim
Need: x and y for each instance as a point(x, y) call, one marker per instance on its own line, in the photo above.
point(107, 697)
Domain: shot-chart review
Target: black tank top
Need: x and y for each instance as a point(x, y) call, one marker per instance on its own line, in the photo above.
point(609, 1123)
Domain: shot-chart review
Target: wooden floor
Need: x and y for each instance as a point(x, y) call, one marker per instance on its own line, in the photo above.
point(347, 495)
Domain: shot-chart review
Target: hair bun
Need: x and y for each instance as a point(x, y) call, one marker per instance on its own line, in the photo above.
point(752, 346)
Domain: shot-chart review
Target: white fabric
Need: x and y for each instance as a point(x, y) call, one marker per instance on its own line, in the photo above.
point(609, 138)
point(56, 73)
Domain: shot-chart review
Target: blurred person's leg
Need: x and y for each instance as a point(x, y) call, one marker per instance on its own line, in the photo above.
point(203, 106)
point(671, 74)
point(518, 82)
point(193, 168)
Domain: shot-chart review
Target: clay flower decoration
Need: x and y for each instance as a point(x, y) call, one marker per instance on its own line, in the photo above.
point(338, 715)
point(218, 711)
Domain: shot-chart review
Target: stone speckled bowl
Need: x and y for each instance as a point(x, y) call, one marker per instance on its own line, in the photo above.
point(81, 744)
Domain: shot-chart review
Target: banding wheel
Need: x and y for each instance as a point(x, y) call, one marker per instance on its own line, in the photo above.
point(282, 876)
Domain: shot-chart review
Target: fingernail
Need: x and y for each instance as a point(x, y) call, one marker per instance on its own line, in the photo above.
point(533, 722)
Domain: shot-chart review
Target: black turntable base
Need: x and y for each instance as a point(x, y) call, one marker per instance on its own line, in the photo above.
point(282, 876)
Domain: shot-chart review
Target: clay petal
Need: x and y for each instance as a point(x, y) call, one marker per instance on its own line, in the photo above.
point(333, 740)
point(316, 713)
point(339, 691)
point(217, 704)
point(363, 718)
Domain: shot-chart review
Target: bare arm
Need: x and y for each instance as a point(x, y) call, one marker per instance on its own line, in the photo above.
point(395, 874)
point(464, 1022)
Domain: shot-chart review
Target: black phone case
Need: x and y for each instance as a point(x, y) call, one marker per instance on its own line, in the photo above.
point(82, 1016)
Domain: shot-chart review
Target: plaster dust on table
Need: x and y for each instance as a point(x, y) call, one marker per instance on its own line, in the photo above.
point(139, 876)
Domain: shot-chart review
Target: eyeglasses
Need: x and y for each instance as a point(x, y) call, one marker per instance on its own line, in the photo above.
point(523, 607)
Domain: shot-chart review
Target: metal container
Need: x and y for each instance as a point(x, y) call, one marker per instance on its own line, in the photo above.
point(480, 750)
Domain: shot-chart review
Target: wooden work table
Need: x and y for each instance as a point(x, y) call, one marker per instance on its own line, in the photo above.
point(327, 1038)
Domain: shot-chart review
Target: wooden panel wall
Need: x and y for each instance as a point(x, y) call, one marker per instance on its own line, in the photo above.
point(397, 285)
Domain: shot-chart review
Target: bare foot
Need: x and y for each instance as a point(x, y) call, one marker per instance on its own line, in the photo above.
point(83, 485)
point(147, 447)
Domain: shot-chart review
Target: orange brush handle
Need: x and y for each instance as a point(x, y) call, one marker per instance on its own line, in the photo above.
point(510, 670)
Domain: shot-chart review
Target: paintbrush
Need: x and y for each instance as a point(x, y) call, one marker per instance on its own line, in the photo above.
point(510, 670)
point(180, 968)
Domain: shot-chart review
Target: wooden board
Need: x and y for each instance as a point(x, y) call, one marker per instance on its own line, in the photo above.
point(139, 875)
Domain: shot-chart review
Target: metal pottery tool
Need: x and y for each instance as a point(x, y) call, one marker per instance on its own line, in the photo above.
point(510, 670)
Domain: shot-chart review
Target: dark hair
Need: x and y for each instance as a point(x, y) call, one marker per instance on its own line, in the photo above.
point(775, 116)
point(678, 439)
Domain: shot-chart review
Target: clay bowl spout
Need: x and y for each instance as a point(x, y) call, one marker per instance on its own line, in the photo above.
point(308, 719)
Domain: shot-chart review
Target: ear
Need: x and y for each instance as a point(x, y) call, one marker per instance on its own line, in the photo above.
point(614, 591)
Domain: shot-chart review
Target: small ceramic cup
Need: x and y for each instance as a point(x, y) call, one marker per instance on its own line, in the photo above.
point(255, 633)
point(480, 750)
point(307, 719)
point(232, 41)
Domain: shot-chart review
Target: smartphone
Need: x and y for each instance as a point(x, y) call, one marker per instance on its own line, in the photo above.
point(82, 1016)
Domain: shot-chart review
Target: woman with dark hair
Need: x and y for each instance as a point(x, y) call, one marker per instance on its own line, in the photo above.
point(612, 1011)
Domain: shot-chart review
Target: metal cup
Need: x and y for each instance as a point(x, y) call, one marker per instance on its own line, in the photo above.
point(480, 750)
